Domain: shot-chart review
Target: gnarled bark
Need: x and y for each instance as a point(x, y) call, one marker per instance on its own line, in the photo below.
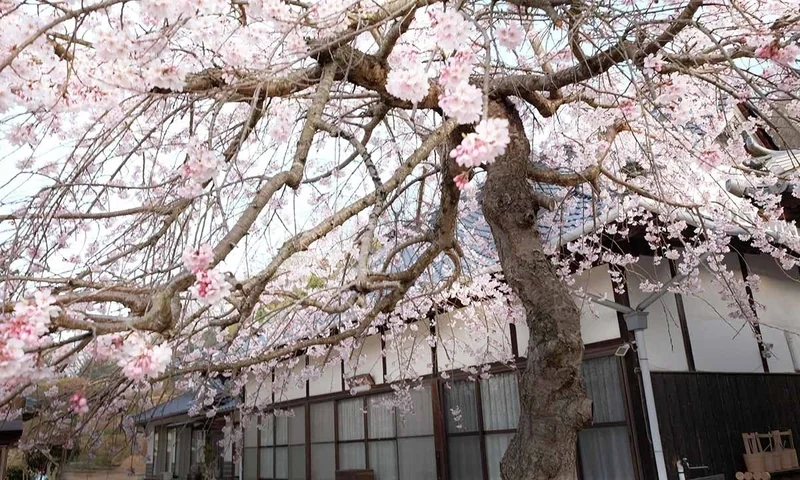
point(554, 405)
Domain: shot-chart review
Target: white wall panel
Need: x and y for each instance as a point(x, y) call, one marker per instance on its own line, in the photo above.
point(663, 335)
point(472, 336)
point(598, 323)
point(408, 354)
point(258, 390)
point(366, 358)
point(290, 380)
point(720, 343)
point(329, 380)
point(779, 293)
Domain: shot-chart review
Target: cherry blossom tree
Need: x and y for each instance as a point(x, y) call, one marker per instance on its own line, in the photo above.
point(199, 189)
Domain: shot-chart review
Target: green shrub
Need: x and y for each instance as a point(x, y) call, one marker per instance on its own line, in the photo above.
point(15, 473)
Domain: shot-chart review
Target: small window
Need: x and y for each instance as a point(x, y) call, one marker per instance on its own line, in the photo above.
point(171, 448)
point(475, 434)
point(282, 451)
point(198, 449)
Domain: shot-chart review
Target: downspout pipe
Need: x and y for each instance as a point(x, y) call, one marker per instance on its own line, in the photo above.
point(636, 322)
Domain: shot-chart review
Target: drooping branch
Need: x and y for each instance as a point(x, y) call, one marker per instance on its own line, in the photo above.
point(303, 240)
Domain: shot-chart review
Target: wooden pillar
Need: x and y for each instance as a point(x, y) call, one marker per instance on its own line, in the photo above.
point(3, 462)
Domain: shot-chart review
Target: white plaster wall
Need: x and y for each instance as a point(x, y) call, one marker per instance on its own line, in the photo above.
point(472, 336)
point(719, 343)
point(366, 358)
point(408, 354)
point(258, 390)
point(779, 293)
point(523, 337)
point(290, 383)
point(330, 378)
point(598, 323)
point(663, 335)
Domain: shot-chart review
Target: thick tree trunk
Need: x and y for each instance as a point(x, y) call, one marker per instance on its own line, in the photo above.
point(554, 405)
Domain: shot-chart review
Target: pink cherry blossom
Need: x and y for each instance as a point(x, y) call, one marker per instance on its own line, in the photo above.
point(652, 63)
point(78, 404)
point(457, 68)
point(462, 179)
point(12, 355)
point(462, 102)
point(409, 84)
point(170, 77)
point(140, 360)
point(484, 145)
point(201, 163)
point(329, 15)
point(710, 158)
point(210, 287)
point(281, 121)
point(190, 190)
point(197, 259)
point(30, 321)
point(450, 29)
point(510, 35)
point(784, 55)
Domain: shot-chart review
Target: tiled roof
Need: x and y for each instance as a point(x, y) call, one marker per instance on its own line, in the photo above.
point(11, 425)
point(181, 405)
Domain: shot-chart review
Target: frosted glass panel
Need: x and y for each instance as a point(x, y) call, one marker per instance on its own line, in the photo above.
point(605, 453)
point(460, 397)
point(250, 464)
point(417, 458)
point(500, 402)
point(322, 422)
point(419, 421)
point(495, 448)
point(604, 388)
point(351, 419)
point(383, 459)
point(464, 454)
point(323, 462)
point(297, 463)
point(281, 429)
point(282, 462)
point(251, 433)
point(297, 427)
point(381, 416)
point(266, 429)
point(351, 456)
point(267, 462)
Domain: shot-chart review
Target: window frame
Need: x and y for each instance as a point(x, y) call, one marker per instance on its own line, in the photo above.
point(481, 432)
point(275, 445)
point(434, 386)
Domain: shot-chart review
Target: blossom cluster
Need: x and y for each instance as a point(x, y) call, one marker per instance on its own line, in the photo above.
point(484, 145)
point(784, 55)
point(198, 259)
point(409, 83)
point(139, 360)
point(510, 35)
point(210, 285)
point(450, 28)
point(201, 166)
point(29, 322)
point(79, 404)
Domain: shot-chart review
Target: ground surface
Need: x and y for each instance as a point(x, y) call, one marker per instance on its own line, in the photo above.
point(123, 472)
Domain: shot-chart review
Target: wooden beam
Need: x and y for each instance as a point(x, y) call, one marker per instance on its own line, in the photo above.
point(687, 341)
